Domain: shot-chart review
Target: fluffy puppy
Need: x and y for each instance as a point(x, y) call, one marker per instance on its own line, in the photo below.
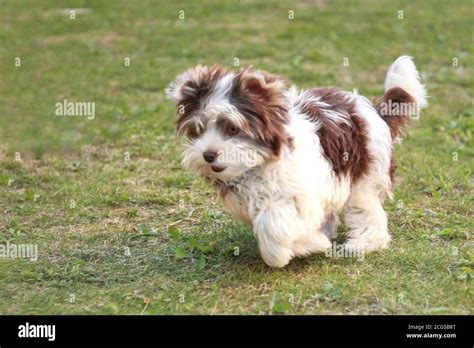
point(288, 161)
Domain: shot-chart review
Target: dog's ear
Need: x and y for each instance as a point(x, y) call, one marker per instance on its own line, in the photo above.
point(261, 85)
point(185, 84)
point(260, 96)
point(194, 83)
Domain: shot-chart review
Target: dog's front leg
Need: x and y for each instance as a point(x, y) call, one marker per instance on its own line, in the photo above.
point(276, 228)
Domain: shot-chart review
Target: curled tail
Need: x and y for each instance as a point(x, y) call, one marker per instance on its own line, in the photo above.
point(404, 95)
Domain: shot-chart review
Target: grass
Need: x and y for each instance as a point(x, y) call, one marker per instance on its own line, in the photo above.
point(121, 228)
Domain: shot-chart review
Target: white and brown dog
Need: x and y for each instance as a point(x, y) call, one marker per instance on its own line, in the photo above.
point(286, 162)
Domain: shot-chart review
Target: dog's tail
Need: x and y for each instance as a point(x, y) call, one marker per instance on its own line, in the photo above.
point(404, 95)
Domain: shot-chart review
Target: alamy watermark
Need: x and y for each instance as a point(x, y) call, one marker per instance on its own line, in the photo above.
point(68, 108)
point(23, 251)
point(249, 157)
point(396, 109)
point(342, 250)
point(37, 331)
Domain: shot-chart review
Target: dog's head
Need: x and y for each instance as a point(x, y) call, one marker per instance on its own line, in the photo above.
point(234, 121)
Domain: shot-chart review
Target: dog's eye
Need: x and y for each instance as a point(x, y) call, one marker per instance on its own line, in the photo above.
point(192, 133)
point(232, 130)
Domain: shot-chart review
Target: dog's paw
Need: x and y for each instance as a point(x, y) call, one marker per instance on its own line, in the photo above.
point(329, 227)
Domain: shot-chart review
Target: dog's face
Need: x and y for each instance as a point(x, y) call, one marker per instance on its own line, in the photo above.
point(233, 121)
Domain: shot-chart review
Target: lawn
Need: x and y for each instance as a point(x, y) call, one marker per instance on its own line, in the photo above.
point(121, 228)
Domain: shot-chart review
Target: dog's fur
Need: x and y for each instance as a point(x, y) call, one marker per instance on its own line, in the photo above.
point(287, 162)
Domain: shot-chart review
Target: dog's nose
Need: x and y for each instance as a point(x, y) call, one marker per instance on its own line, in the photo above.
point(209, 156)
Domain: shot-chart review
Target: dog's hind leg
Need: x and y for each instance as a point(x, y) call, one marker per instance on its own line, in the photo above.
point(367, 221)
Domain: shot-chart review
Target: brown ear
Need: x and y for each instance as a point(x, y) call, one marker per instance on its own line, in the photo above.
point(262, 85)
point(260, 97)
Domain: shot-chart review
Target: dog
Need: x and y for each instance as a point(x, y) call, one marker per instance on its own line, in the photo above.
point(287, 162)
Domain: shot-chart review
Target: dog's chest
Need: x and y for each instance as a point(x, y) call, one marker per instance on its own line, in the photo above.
point(237, 206)
point(247, 197)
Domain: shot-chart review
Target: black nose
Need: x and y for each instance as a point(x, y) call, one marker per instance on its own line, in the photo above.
point(209, 156)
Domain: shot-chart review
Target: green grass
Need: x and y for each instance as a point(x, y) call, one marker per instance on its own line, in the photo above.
point(144, 236)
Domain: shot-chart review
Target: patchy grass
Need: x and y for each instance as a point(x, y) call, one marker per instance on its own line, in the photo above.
point(121, 228)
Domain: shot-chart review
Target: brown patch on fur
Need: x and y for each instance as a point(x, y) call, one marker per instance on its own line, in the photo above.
point(392, 169)
point(222, 188)
point(291, 143)
point(345, 146)
point(259, 96)
point(396, 121)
